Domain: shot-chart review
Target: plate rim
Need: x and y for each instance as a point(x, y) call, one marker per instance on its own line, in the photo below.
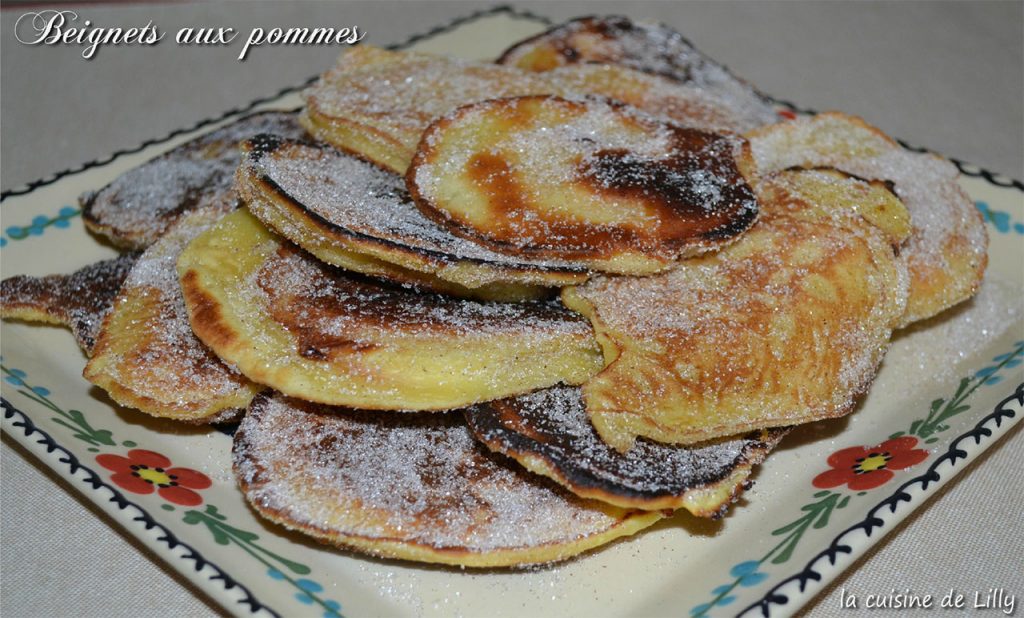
point(810, 579)
point(813, 578)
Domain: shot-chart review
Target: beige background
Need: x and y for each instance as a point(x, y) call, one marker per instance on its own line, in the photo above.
point(947, 76)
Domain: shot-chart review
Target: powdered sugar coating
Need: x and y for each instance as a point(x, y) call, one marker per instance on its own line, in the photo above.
point(591, 180)
point(389, 98)
point(147, 355)
point(363, 199)
point(144, 202)
point(552, 424)
point(689, 105)
point(650, 48)
point(417, 480)
point(786, 325)
point(378, 103)
point(947, 251)
point(80, 300)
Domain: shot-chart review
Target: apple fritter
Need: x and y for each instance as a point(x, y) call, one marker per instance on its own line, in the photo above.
point(377, 103)
point(352, 214)
point(829, 191)
point(79, 301)
point(147, 357)
point(651, 48)
point(411, 486)
point(141, 204)
point(591, 181)
point(549, 433)
point(683, 104)
point(318, 333)
point(785, 326)
point(947, 250)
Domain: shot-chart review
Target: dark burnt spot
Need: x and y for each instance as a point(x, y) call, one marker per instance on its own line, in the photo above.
point(80, 300)
point(258, 146)
point(696, 192)
point(554, 427)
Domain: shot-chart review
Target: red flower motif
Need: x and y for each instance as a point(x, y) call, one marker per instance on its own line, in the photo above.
point(143, 472)
point(860, 467)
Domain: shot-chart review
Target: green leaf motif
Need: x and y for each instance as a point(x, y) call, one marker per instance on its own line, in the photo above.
point(817, 515)
point(224, 534)
point(72, 420)
point(942, 409)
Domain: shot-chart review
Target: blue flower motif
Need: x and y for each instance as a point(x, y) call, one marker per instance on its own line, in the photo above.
point(747, 573)
point(16, 377)
point(39, 224)
point(1013, 359)
point(309, 585)
point(699, 610)
point(42, 391)
point(753, 579)
point(986, 371)
point(999, 219)
point(309, 588)
point(333, 609)
point(987, 377)
point(744, 568)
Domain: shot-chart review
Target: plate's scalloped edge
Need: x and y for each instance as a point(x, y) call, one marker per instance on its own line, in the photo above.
point(967, 169)
point(955, 457)
point(237, 111)
point(88, 480)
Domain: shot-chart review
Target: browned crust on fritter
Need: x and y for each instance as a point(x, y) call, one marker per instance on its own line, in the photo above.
point(732, 220)
point(79, 300)
point(562, 454)
point(257, 483)
point(205, 315)
point(199, 174)
point(613, 28)
point(251, 187)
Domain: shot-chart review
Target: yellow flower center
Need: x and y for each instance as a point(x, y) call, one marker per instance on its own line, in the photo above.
point(874, 461)
point(156, 477)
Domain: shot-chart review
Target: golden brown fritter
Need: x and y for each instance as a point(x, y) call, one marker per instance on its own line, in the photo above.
point(411, 486)
point(587, 181)
point(318, 333)
point(147, 357)
point(787, 325)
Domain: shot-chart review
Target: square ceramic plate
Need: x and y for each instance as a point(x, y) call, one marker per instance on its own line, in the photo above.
point(949, 388)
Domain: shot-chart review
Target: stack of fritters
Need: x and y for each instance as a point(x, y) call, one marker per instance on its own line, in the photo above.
point(503, 313)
